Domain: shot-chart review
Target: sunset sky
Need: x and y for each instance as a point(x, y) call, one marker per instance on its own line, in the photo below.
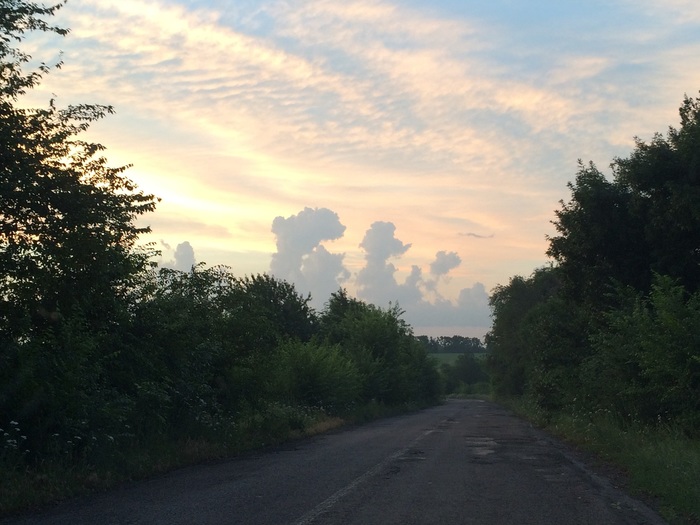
point(410, 151)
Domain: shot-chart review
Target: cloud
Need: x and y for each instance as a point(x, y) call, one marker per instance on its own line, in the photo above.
point(476, 235)
point(390, 79)
point(444, 262)
point(377, 283)
point(304, 261)
point(183, 257)
point(300, 257)
point(169, 225)
point(299, 234)
point(471, 310)
point(681, 12)
point(425, 113)
point(324, 273)
point(380, 244)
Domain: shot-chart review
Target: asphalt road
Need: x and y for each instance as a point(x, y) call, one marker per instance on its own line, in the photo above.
point(464, 462)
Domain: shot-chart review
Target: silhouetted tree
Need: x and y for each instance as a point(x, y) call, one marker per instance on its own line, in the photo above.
point(645, 221)
point(67, 229)
point(67, 247)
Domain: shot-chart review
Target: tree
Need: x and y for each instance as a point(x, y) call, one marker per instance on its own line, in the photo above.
point(645, 221)
point(613, 325)
point(288, 312)
point(67, 223)
point(511, 355)
point(457, 344)
point(466, 370)
point(68, 252)
point(663, 179)
point(600, 241)
point(391, 361)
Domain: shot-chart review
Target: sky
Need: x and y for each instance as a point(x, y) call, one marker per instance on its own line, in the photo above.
point(411, 152)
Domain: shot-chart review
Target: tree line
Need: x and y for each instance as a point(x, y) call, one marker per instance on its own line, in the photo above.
point(103, 354)
point(454, 344)
point(613, 325)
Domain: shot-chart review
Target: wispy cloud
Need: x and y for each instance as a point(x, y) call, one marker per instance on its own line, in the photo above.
point(477, 236)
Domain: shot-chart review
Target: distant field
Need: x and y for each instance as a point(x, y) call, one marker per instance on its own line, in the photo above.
point(445, 358)
point(450, 358)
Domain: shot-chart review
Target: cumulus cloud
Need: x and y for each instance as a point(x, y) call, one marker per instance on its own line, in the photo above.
point(324, 273)
point(377, 283)
point(268, 103)
point(183, 256)
point(380, 244)
point(302, 259)
point(444, 262)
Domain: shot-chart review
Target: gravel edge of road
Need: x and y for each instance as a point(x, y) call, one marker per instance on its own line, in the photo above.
point(609, 476)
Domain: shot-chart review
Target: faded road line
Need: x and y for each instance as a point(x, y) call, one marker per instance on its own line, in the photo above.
point(328, 504)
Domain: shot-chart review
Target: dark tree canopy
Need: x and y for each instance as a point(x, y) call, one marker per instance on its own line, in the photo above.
point(612, 328)
point(67, 230)
point(645, 221)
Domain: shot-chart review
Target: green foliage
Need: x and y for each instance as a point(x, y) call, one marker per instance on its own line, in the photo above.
point(614, 326)
point(17, 18)
point(67, 229)
point(67, 255)
point(289, 314)
point(646, 362)
point(511, 353)
point(464, 373)
point(315, 375)
point(600, 239)
point(393, 364)
point(215, 338)
point(647, 220)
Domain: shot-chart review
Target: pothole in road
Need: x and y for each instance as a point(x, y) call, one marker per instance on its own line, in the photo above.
point(481, 446)
point(445, 423)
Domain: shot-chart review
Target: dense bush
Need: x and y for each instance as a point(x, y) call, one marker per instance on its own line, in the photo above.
point(319, 376)
point(646, 363)
point(393, 364)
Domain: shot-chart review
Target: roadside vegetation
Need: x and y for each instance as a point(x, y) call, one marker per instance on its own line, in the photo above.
point(112, 368)
point(603, 346)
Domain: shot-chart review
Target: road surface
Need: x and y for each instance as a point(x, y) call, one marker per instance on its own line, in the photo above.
point(464, 462)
